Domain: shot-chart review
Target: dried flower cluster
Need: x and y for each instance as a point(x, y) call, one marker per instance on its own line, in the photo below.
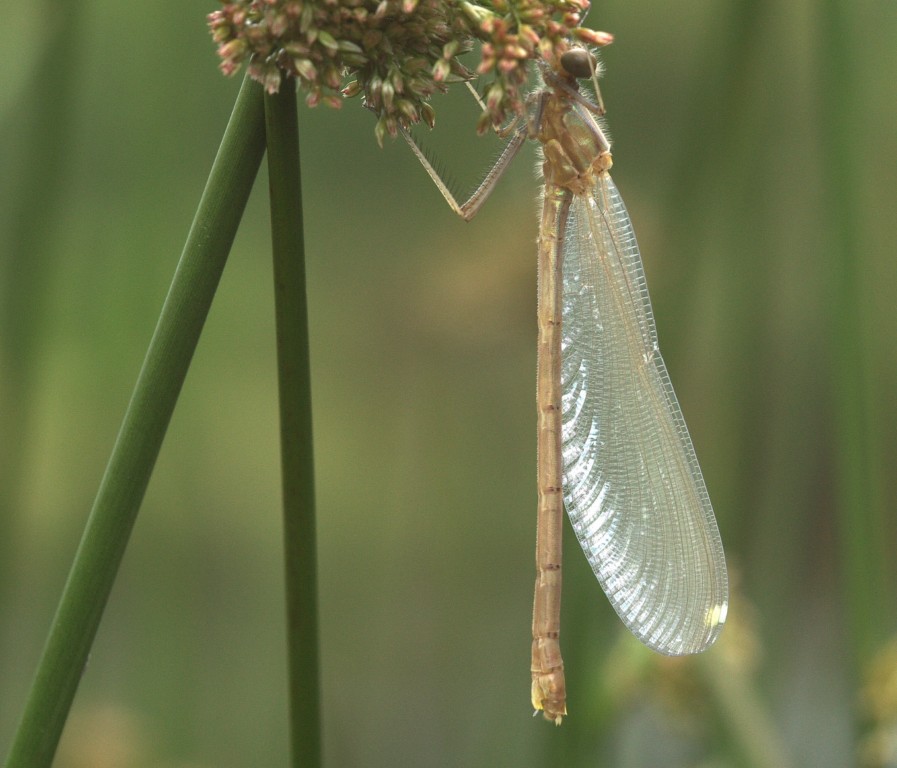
point(397, 53)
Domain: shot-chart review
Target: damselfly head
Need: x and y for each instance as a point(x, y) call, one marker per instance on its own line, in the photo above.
point(579, 63)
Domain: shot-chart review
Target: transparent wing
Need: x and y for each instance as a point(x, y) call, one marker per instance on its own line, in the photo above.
point(632, 485)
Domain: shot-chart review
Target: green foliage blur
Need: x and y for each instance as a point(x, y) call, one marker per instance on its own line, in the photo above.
point(423, 358)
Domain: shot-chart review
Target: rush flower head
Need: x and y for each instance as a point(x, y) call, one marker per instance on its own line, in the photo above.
point(397, 53)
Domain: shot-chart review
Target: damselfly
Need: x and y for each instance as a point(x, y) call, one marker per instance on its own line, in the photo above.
point(613, 447)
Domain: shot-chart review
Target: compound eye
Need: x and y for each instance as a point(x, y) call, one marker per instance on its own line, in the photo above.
point(579, 63)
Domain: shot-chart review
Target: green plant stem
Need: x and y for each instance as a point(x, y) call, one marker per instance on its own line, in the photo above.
point(140, 438)
point(297, 461)
point(859, 494)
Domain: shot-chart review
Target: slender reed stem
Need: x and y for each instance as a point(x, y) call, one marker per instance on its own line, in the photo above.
point(140, 437)
point(858, 481)
point(297, 461)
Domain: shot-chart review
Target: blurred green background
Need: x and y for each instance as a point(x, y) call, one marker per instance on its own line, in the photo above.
point(761, 184)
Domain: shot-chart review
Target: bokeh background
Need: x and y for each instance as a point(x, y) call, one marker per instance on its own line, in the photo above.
point(760, 175)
